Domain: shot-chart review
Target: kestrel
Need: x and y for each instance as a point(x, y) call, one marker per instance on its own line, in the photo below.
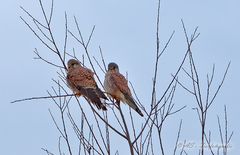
point(116, 86)
point(81, 81)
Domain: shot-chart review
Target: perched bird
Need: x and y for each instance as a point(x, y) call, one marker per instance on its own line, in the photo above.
point(116, 86)
point(81, 81)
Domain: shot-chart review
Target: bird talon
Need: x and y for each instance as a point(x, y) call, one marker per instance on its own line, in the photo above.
point(77, 94)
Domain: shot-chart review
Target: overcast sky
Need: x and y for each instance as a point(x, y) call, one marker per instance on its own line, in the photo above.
point(126, 32)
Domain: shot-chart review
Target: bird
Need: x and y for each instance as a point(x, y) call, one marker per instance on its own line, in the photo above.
point(81, 81)
point(116, 87)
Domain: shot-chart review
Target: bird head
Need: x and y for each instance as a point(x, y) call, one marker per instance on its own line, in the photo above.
point(72, 63)
point(113, 67)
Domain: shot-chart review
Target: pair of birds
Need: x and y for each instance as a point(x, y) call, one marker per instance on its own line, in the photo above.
point(81, 81)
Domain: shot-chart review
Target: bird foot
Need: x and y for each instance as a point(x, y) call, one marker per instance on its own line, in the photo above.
point(77, 94)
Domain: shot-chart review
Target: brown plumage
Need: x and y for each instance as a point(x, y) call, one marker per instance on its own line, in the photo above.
point(116, 86)
point(81, 81)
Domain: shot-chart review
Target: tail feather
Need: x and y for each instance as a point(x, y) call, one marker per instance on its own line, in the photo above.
point(93, 96)
point(101, 94)
point(132, 104)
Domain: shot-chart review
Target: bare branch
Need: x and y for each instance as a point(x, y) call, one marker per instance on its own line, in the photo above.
point(34, 32)
point(55, 123)
point(99, 65)
point(184, 87)
point(66, 37)
point(45, 150)
point(34, 19)
point(103, 61)
point(51, 13)
point(126, 131)
point(166, 45)
point(90, 36)
point(219, 87)
point(44, 34)
point(178, 136)
point(44, 13)
point(45, 60)
point(42, 97)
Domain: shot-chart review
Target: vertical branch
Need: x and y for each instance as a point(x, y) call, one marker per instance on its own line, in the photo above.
point(157, 57)
point(196, 86)
point(107, 134)
point(225, 147)
point(66, 133)
point(126, 131)
point(100, 131)
point(202, 108)
point(133, 128)
point(103, 61)
point(178, 136)
point(208, 140)
point(89, 126)
point(225, 139)
point(52, 46)
point(85, 46)
point(61, 106)
point(165, 111)
point(66, 37)
point(48, 22)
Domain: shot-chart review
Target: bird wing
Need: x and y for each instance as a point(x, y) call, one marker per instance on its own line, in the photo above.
point(120, 82)
point(82, 79)
point(93, 96)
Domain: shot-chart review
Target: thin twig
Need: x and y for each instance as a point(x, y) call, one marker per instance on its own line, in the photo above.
point(178, 136)
point(42, 97)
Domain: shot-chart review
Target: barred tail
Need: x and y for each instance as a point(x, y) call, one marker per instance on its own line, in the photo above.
point(129, 100)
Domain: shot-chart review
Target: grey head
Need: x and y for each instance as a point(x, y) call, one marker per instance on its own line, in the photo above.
point(113, 67)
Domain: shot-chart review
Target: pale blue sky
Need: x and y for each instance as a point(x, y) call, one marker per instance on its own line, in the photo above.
point(126, 32)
